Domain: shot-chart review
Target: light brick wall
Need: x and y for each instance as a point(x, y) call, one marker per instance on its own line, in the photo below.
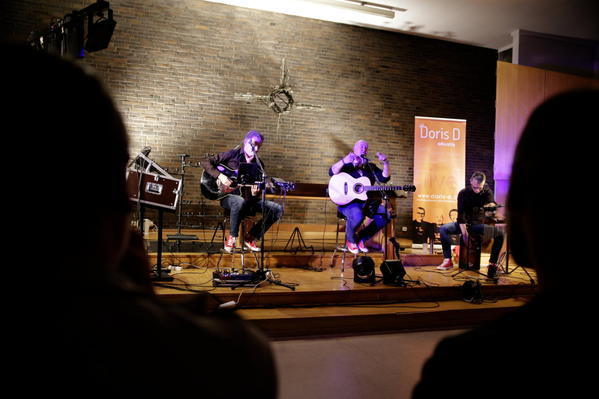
point(173, 68)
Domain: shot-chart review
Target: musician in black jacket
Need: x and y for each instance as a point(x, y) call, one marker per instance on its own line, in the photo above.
point(471, 209)
point(237, 205)
point(357, 165)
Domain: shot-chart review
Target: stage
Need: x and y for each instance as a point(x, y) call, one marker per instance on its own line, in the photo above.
point(311, 293)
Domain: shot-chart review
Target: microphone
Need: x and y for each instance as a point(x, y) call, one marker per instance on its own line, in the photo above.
point(146, 150)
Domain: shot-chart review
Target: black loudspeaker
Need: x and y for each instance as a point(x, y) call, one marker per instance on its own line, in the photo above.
point(363, 270)
point(393, 272)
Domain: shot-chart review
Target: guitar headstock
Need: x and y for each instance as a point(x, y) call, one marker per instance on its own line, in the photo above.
point(283, 185)
point(409, 188)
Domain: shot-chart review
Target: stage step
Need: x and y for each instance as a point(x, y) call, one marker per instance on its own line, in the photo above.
point(294, 322)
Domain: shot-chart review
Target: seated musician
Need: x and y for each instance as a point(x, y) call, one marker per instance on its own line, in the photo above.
point(471, 203)
point(251, 202)
point(357, 165)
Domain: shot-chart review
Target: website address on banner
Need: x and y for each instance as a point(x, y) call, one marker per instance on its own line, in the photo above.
point(435, 200)
point(437, 196)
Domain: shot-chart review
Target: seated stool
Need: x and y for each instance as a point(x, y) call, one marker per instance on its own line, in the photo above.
point(237, 250)
point(340, 247)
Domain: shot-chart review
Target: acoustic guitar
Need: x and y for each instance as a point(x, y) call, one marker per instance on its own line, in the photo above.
point(213, 189)
point(343, 188)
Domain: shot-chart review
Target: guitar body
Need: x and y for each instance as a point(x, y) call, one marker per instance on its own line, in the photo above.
point(343, 188)
point(212, 189)
point(209, 187)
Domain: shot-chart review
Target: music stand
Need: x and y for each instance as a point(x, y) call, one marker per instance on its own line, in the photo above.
point(249, 174)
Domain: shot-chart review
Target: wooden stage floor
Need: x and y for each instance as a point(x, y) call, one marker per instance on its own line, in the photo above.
point(321, 298)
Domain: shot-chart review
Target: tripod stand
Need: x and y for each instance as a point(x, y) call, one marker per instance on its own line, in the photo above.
point(301, 244)
point(181, 237)
point(506, 256)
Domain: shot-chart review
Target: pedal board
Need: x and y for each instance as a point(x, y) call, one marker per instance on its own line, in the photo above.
point(232, 278)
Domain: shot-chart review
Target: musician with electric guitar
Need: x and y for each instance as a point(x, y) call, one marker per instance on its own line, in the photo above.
point(352, 177)
point(242, 197)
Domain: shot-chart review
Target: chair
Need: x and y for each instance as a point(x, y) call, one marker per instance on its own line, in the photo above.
point(340, 247)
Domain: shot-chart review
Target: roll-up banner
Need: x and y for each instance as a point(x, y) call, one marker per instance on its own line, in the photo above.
point(439, 169)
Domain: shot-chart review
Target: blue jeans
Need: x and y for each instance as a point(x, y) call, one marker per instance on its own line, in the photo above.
point(454, 228)
point(355, 213)
point(239, 208)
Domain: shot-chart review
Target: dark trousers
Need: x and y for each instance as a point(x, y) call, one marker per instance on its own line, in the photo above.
point(355, 213)
point(482, 229)
point(239, 208)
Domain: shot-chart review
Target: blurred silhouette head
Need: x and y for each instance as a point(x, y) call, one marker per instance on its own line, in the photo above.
point(551, 175)
point(69, 148)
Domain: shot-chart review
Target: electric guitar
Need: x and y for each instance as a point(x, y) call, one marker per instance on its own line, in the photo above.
point(213, 189)
point(343, 188)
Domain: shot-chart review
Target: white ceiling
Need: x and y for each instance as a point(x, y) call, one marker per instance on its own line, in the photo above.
point(485, 23)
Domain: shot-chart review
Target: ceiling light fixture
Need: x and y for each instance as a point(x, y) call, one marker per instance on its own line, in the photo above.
point(365, 7)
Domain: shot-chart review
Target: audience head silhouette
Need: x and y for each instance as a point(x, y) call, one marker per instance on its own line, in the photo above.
point(553, 157)
point(71, 150)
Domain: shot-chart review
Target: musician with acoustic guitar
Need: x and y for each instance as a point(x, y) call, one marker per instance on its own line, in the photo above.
point(351, 197)
point(240, 201)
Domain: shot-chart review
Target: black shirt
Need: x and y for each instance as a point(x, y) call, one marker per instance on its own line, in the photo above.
point(470, 205)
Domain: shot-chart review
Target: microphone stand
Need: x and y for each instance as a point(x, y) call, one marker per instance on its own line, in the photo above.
point(386, 199)
point(263, 206)
point(263, 274)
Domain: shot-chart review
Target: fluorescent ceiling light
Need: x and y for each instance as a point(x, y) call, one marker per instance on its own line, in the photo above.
point(364, 7)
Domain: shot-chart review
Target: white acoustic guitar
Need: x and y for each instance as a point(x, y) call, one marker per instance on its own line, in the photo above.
point(343, 188)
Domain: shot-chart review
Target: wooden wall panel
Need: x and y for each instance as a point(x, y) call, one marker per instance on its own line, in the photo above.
point(556, 82)
point(520, 89)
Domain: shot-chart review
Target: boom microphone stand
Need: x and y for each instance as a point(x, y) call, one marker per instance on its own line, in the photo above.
point(386, 214)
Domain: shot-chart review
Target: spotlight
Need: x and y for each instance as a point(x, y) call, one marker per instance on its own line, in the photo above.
point(100, 32)
point(363, 269)
point(65, 36)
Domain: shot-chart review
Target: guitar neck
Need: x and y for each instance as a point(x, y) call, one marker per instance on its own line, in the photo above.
point(382, 188)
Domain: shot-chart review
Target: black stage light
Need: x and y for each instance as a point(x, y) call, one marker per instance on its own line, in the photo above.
point(73, 36)
point(363, 269)
point(100, 32)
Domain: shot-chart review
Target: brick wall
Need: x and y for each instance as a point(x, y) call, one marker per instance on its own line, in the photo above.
point(173, 67)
